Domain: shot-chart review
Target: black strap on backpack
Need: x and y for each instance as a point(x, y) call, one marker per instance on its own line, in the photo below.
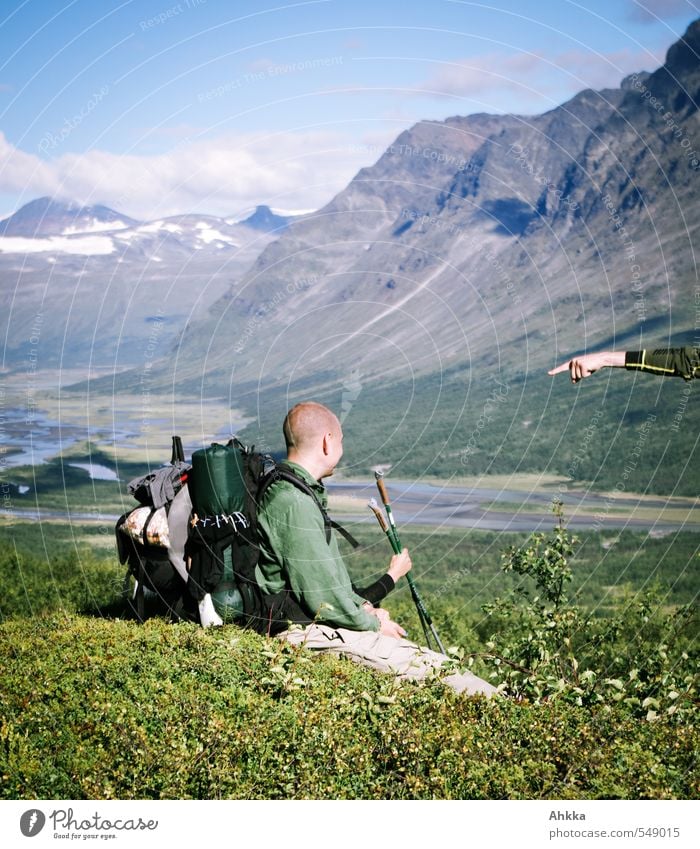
point(285, 474)
point(177, 452)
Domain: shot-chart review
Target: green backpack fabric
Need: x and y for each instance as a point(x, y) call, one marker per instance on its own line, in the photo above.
point(217, 480)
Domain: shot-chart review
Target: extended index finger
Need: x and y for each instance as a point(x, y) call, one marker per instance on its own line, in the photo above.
point(561, 368)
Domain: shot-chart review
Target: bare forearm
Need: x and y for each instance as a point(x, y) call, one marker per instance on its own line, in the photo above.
point(585, 364)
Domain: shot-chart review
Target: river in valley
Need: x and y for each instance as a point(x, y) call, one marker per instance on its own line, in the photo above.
point(415, 503)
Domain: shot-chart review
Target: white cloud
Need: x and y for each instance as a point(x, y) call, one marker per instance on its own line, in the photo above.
point(220, 176)
point(606, 70)
point(19, 169)
point(648, 11)
point(535, 75)
point(479, 74)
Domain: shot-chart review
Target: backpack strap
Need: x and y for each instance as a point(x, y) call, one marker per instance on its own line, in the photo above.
point(288, 475)
point(144, 532)
point(177, 452)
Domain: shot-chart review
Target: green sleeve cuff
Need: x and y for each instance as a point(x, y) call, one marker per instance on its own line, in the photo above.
point(634, 360)
point(667, 362)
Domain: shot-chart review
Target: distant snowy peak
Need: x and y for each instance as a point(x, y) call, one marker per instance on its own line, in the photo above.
point(84, 245)
point(48, 217)
point(268, 220)
point(50, 226)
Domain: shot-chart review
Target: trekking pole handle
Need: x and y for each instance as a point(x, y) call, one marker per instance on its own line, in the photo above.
point(381, 486)
point(383, 525)
point(372, 504)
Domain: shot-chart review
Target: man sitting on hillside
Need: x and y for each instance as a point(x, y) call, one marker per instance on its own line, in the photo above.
point(299, 556)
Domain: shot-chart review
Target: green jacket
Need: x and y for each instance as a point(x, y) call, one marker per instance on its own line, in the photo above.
point(294, 555)
point(670, 362)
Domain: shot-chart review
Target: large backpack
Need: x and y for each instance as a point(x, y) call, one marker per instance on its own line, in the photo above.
point(226, 484)
point(221, 548)
point(151, 538)
point(196, 535)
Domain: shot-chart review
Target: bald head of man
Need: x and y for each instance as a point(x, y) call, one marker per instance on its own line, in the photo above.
point(314, 438)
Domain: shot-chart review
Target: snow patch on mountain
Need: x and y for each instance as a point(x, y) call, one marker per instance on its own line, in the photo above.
point(83, 245)
point(157, 226)
point(95, 226)
point(208, 234)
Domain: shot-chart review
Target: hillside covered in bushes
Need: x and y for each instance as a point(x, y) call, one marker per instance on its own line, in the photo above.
point(598, 702)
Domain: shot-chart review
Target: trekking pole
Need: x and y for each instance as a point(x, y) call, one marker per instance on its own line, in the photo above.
point(374, 507)
point(396, 547)
point(417, 600)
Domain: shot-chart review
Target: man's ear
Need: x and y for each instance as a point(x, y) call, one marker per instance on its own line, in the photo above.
point(326, 444)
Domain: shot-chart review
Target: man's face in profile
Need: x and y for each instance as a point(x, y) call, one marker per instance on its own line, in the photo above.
point(335, 448)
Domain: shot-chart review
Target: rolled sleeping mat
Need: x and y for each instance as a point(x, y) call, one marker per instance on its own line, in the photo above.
point(216, 481)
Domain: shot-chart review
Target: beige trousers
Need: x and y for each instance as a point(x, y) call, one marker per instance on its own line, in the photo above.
point(387, 654)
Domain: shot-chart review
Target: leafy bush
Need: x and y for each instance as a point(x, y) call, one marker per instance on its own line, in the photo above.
point(98, 707)
point(544, 646)
point(68, 580)
point(103, 709)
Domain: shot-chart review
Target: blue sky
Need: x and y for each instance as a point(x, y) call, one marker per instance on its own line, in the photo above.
point(158, 107)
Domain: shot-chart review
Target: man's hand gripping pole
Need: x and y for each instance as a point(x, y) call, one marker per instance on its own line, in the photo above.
point(393, 535)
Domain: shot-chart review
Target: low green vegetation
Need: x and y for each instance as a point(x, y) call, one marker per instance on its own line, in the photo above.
point(59, 485)
point(108, 709)
point(594, 642)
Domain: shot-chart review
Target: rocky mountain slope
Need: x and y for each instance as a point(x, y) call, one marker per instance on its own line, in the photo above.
point(488, 240)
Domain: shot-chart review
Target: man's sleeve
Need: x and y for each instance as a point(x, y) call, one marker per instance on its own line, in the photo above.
point(316, 572)
point(377, 591)
point(669, 362)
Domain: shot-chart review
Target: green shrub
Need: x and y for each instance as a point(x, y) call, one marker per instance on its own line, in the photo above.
point(67, 580)
point(543, 646)
point(110, 709)
point(97, 707)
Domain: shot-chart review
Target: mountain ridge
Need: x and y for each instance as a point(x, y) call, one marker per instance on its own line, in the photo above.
point(48, 216)
point(512, 220)
point(473, 255)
